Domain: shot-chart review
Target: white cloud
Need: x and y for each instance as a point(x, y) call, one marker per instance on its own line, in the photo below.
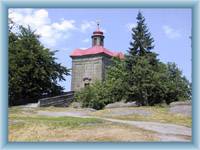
point(38, 19)
point(87, 25)
point(130, 26)
point(171, 32)
point(51, 32)
point(83, 48)
point(86, 40)
point(64, 25)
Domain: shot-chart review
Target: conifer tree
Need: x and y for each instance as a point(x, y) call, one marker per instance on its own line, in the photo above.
point(140, 62)
point(141, 44)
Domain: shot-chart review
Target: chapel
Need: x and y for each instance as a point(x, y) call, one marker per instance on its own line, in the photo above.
point(90, 65)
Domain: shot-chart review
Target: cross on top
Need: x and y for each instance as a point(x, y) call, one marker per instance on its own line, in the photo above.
point(98, 22)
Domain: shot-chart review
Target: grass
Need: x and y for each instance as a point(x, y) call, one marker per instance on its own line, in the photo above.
point(157, 114)
point(26, 125)
point(57, 121)
point(104, 131)
point(41, 128)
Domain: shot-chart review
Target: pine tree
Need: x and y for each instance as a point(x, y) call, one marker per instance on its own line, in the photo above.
point(142, 37)
point(140, 62)
point(141, 43)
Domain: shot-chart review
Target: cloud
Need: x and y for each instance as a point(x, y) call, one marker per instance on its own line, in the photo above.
point(87, 25)
point(129, 26)
point(38, 19)
point(50, 32)
point(83, 48)
point(86, 40)
point(170, 32)
point(64, 25)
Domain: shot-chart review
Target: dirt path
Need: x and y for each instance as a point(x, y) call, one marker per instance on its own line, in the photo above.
point(164, 131)
point(163, 128)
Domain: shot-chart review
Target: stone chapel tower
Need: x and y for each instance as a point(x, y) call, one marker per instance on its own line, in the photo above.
point(90, 65)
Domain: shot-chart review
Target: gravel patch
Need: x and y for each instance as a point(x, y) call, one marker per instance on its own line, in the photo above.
point(122, 112)
point(61, 114)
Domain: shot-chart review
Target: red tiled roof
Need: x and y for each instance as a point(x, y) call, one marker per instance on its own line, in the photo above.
point(96, 50)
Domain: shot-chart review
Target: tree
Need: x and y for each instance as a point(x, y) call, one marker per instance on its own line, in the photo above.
point(141, 63)
point(115, 80)
point(150, 81)
point(33, 70)
point(99, 94)
point(94, 96)
point(141, 43)
point(178, 87)
point(140, 77)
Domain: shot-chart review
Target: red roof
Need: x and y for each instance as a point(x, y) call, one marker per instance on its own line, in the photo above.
point(96, 50)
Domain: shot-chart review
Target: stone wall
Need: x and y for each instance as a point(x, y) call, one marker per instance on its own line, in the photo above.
point(58, 101)
point(91, 67)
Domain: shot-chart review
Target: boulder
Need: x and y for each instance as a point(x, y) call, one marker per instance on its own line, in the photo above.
point(121, 104)
point(180, 103)
point(75, 105)
point(181, 107)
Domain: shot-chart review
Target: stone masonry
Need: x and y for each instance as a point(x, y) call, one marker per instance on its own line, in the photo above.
point(87, 70)
point(90, 65)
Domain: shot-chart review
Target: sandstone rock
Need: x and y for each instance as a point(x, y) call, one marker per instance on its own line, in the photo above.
point(75, 105)
point(180, 103)
point(183, 108)
point(121, 104)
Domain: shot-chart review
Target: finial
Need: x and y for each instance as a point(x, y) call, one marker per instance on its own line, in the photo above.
point(98, 22)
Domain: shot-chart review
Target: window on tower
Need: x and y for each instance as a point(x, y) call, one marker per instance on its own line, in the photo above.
point(101, 42)
point(87, 84)
point(95, 41)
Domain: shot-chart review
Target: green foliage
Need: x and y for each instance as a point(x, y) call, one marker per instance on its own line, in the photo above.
point(111, 90)
point(33, 70)
point(93, 96)
point(178, 87)
point(115, 81)
point(149, 81)
point(140, 77)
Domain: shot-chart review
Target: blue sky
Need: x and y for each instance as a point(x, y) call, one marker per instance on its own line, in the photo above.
point(68, 29)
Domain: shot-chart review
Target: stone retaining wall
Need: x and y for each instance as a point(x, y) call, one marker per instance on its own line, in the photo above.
point(57, 101)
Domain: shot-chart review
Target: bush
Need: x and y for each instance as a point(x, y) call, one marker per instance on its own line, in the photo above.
point(94, 96)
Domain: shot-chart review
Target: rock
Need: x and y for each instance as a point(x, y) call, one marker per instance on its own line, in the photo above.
point(180, 103)
point(127, 111)
point(75, 105)
point(121, 104)
point(31, 105)
point(90, 109)
point(183, 108)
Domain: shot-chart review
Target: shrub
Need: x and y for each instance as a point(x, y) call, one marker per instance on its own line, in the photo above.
point(94, 96)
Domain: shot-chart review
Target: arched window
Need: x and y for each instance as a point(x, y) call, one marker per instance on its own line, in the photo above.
point(87, 84)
